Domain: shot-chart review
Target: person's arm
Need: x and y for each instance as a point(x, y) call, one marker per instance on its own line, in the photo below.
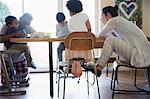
point(109, 26)
point(88, 25)
point(57, 31)
point(7, 37)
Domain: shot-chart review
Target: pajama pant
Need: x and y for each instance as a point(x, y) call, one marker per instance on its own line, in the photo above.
point(24, 48)
point(117, 45)
point(20, 67)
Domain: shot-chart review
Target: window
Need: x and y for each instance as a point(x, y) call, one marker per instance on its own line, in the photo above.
point(44, 20)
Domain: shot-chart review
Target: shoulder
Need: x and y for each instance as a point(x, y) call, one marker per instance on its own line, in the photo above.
point(115, 20)
point(83, 15)
point(57, 25)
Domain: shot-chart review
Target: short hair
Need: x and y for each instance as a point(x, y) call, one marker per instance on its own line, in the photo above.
point(9, 20)
point(60, 17)
point(74, 6)
point(110, 9)
point(26, 17)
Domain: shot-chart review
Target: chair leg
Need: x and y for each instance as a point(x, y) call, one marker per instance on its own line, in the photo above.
point(140, 89)
point(107, 69)
point(87, 82)
point(98, 90)
point(135, 78)
point(112, 78)
point(9, 82)
point(58, 84)
point(65, 75)
point(148, 74)
point(6, 75)
point(93, 80)
point(114, 82)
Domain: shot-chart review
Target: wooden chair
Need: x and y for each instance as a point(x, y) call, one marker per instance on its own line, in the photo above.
point(11, 82)
point(80, 41)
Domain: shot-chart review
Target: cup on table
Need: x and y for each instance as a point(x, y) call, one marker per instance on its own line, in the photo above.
point(47, 35)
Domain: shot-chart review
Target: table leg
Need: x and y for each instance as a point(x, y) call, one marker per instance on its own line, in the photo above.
point(51, 68)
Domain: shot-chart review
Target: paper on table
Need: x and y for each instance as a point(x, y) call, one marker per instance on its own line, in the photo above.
point(37, 35)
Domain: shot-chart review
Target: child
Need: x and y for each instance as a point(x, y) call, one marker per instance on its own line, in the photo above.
point(61, 31)
point(12, 31)
point(79, 22)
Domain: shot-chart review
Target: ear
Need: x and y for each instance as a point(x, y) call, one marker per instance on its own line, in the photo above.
point(108, 15)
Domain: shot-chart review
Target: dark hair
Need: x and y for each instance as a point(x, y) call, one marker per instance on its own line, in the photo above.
point(112, 10)
point(9, 20)
point(74, 6)
point(60, 17)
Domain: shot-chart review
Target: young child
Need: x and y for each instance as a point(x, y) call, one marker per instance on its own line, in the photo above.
point(79, 22)
point(61, 31)
point(12, 31)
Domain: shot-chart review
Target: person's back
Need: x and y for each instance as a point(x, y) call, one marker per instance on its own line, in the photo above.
point(128, 31)
point(77, 22)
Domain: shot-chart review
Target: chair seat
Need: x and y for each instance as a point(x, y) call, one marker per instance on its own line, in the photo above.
point(119, 62)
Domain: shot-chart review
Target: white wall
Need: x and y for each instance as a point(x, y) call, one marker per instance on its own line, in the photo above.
point(146, 17)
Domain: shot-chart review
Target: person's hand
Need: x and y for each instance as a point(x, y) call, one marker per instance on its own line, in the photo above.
point(114, 34)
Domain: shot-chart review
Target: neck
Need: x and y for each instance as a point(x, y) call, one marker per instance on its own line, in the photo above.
point(72, 13)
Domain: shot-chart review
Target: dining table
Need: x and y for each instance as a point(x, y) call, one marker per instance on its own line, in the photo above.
point(50, 40)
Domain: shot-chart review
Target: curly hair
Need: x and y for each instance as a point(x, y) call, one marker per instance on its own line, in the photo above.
point(74, 6)
point(9, 20)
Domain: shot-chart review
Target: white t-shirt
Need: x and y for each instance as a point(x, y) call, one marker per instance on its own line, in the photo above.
point(78, 23)
point(62, 31)
point(129, 32)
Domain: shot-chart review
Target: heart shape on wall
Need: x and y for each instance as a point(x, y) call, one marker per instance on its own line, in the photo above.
point(130, 5)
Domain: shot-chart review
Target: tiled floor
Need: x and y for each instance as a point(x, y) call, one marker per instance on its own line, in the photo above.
point(39, 88)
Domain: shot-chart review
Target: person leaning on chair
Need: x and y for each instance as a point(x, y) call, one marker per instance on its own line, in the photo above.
point(129, 42)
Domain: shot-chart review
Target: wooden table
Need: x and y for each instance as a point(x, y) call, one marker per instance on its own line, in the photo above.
point(99, 44)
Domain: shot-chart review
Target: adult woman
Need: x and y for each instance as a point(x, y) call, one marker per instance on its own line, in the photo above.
point(25, 23)
point(129, 41)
